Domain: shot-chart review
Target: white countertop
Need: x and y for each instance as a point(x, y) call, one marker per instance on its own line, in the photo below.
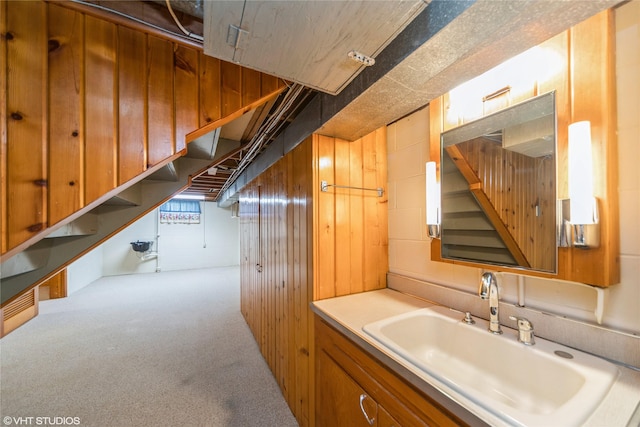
point(350, 313)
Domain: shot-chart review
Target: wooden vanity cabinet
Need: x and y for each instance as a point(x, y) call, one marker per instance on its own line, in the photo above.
point(340, 400)
point(355, 389)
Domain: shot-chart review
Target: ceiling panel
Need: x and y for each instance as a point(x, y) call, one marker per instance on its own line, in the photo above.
point(307, 42)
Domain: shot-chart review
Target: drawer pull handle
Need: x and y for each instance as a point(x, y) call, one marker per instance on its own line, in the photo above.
point(364, 411)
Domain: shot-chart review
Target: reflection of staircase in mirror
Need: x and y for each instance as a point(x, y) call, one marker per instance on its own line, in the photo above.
point(471, 227)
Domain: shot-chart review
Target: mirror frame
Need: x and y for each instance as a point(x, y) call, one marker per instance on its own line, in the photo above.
point(583, 92)
point(505, 240)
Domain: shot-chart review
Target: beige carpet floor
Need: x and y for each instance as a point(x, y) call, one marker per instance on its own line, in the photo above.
point(159, 349)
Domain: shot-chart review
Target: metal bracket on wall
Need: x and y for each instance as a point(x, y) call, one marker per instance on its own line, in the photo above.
point(325, 187)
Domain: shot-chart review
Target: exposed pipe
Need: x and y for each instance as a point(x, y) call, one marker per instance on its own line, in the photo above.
point(521, 291)
point(203, 216)
point(85, 6)
point(184, 30)
point(267, 129)
point(190, 7)
point(157, 229)
point(601, 293)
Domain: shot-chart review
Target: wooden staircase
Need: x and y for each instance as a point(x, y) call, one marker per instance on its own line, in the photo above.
point(97, 120)
point(468, 231)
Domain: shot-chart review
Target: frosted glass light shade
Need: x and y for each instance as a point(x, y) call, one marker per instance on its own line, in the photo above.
point(433, 195)
point(580, 174)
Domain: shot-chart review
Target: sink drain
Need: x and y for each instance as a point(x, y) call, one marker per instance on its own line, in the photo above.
point(563, 354)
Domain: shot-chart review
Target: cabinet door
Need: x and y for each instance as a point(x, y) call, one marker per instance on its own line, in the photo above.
point(340, 401)
point(344, 372)
point(386, 420)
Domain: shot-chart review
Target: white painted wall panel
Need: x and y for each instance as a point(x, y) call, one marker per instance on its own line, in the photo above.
point(84, 271)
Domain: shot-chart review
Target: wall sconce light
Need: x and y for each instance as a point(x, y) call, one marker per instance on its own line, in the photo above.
point(583, 206)
point(433, 202)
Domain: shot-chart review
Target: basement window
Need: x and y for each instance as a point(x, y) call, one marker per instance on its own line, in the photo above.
point(180, 212)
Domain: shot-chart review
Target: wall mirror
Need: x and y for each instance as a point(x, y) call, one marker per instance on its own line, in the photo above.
point(498, 188)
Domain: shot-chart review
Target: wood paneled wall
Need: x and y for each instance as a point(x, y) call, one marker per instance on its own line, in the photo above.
point(583, 76)
point(593, 89)
point(350, 226)
point(89, 104)
point(298, 244)
point(276, 272)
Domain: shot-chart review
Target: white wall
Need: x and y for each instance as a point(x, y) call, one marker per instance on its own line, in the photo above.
point(84, 270)
point(409, 247)
point(212, 243)
point(117, 256)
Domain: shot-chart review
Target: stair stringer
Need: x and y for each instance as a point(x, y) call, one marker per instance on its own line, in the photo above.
point(111, 219)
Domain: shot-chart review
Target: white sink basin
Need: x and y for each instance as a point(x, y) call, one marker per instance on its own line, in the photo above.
point(523, 385)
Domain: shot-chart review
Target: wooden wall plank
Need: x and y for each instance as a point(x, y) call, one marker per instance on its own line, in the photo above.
point(160, 100)
point(26, 121)
point(231, 87)
point(342, 225)
point(356, 218)
point(263, 233)
point(375, 218)
point(308, 289)
point(251, 86)
point(298, 180)
point(267, 219)
point(290, 261)
point(66, 120)
point(283, 276)
point(100, 109)
point(210, 93)
point(324, 220)
point(3, 127)
point(186, 93)
point(302, 372)
point(269, 84)
point(132, 87)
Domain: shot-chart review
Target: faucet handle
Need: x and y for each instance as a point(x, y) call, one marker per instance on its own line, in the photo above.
point(468, 319)
point(525, 330)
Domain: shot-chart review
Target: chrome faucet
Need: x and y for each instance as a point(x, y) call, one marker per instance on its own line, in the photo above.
point(489, 290)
